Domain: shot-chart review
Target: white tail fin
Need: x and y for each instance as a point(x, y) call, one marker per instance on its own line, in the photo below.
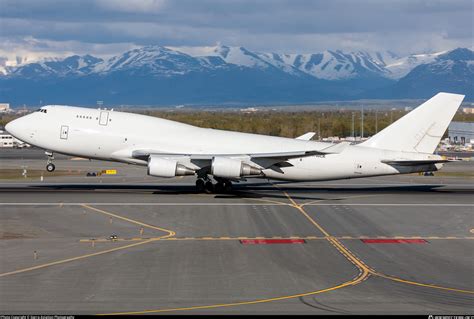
point(421, 129)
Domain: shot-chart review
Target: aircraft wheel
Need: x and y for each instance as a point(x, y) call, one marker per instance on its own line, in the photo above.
point(209, 187)
point(227, 186)
point(50, 167)
point(219, 187)
point(200, 185)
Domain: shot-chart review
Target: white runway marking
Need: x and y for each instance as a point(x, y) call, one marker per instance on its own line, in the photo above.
point(292, 185)
point(234, 204)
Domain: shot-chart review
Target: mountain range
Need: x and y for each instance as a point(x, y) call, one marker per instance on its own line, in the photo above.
point(155, 75)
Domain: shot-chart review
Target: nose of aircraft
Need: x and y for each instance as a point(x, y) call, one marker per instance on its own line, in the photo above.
point(18, 128)
point(12, 127)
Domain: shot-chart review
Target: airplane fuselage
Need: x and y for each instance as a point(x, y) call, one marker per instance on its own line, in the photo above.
point(116, 136)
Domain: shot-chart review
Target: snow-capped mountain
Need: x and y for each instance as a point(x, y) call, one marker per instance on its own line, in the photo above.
point(155, 74)
point(399, 67)
point(9, 62)
point(150, 60)
point(452, 71)
point(332, 65)
point(327, 65)
point(168, 61)
point(73, 65)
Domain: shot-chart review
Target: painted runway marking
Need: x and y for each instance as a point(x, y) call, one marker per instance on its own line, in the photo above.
point(58, 262)
point(359, 278)
point(238, 204)
point(23, 186)
point(337, 198)
point(170, 232)
point(272, 241)
point(364, 271)
point(143, 204)
point(360, 264)
point(224, 238)
point(393, 241)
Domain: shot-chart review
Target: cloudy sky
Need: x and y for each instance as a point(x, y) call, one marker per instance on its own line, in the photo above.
point(106, 27)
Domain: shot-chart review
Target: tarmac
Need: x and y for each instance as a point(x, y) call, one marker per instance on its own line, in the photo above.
point(390, 245)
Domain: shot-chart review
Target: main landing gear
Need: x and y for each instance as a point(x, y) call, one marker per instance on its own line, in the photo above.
point(206, 185)
point(50, 167)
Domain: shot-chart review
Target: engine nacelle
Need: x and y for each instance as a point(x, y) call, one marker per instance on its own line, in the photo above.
point(230, 168)
point(161, 167)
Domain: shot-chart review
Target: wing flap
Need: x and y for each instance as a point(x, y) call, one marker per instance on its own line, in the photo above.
point(414, 162)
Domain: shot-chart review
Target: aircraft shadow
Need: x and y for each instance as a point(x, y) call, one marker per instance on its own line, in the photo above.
point(242, 191)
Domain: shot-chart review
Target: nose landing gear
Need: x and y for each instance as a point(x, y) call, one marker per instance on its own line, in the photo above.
point(50, 167)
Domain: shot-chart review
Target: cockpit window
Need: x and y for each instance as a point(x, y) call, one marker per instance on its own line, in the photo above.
point(42, 110)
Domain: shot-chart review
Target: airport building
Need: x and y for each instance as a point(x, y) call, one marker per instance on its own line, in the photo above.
point(468, 110)
point(461, 133)
point(5, 108)
point(8, 141)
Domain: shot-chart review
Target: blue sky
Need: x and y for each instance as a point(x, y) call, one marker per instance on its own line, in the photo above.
point(105, 27)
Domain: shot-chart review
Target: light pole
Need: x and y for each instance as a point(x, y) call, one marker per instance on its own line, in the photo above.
point(352, 131)
point(376, 123)
point(319, 129)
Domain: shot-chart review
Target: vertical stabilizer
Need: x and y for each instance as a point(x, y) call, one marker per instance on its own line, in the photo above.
point(421, 129)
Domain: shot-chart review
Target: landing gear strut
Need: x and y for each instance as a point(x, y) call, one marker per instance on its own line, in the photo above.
point(223, 186)
point(209, 187)
point(204, 184)
point(50, 167)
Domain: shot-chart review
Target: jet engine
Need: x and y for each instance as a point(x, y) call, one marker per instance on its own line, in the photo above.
point(230, 168)
point(161, 167)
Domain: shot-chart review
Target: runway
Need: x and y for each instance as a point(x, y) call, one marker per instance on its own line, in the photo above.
point(384, 245)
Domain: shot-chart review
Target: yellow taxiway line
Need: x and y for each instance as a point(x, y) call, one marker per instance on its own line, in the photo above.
point(170, 232)
point(360, 264)
point(58, 262)
point(354, 281)
point(364, 271)
point(63, 261)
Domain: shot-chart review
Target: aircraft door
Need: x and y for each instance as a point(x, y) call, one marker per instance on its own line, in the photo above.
point(64, 132)
point(104, 118)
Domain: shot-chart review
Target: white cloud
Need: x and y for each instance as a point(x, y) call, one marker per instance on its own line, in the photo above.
point(29, 49)
point(289, 26)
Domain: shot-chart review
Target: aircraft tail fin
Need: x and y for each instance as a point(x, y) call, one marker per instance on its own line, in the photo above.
point(421, 129)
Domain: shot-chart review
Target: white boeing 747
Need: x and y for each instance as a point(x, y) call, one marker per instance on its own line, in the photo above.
point(172, 149)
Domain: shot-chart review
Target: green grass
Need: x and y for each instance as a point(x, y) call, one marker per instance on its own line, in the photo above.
point(36, 173)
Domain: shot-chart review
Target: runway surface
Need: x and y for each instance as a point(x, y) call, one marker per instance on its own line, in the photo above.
point(383, 245)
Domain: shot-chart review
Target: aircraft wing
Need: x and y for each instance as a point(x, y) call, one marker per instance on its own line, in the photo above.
point(262, 159)
point(144, 154)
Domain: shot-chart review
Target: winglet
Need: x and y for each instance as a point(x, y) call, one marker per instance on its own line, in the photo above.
point(306, 136)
